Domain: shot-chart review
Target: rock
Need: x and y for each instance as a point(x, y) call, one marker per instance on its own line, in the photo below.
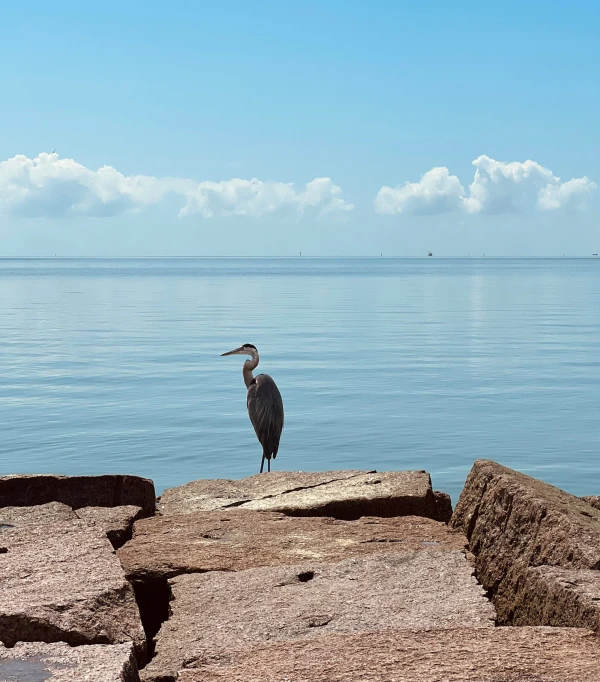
point(340, 494)
point(461, 655)
point(214, 613)
point(559, 597)
point(62, 582)
point(116, 522)
point(594, 500)
point(513, 522)
point(113, 490)
point(443, 505)
point(38, 662)
point(41, 513)
point(165, 546)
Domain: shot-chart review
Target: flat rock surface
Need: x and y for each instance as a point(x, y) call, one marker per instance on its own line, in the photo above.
point(340, 494)
point(212, 613)
point(111, 490)
point(38, 662)
point(165, 546)
point(41, 513)
point(63, 582)
point(461, 655)
point(513, 522)
point(116, 522)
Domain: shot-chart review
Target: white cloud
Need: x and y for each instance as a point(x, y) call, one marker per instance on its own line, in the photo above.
point(571, 194)
point(498, 187)
point(436, 192)
point(49, 186)
point(255, 197)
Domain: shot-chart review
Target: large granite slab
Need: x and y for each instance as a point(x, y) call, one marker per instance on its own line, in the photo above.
point(340, 494)
point(165, 546)
point(111, 490)
point(213, 613)
point(41, 513)
point(227, 540)
point(514, 522)
point(116, 522)
point(63, 582)
point(461, 655)
point(39, 662)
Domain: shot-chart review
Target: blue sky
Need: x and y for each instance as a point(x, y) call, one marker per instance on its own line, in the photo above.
point(362, 96)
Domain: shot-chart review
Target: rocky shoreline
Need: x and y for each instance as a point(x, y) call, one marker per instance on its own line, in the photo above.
point(305, 577)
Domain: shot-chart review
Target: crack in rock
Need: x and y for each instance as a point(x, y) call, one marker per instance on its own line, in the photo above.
point(240, 503)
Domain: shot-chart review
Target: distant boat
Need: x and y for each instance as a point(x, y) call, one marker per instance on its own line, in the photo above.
point(594, 254)
point(429, 253)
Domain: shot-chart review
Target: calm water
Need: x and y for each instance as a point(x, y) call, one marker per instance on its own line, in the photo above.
point(113, 366)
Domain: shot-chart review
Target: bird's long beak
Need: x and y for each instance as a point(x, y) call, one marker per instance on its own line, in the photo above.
point(232, 352)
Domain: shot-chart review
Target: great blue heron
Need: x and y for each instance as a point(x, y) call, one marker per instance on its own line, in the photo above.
point(265, 406)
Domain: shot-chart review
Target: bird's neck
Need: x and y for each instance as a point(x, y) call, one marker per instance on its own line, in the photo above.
point(250, 365)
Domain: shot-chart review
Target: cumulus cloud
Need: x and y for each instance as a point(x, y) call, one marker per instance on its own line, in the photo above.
point(497, 187)
point(48, 186)
point(255, 197)
point(436, 192)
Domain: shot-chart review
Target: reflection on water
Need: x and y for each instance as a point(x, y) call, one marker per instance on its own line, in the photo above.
point(24, 670)
point(113, 365)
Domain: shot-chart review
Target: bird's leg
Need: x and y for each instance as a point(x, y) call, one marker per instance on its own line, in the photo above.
point(269, 465)
point(262, 464)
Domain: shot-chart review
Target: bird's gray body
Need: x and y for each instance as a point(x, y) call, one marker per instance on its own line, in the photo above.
point(265, 409)
point(265, 406)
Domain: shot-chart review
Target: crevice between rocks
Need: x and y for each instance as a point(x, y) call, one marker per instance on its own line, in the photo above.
point(490, 591)
point(153, 595)
point(471, 560)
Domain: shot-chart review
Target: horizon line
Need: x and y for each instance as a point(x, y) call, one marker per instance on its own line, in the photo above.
point(307, 257)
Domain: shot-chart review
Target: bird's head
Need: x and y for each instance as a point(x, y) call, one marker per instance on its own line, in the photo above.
point(246, 349)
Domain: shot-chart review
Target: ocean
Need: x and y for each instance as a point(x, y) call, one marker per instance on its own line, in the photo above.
point(114, 366)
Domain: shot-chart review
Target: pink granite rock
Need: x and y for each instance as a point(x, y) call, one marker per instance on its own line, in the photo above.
point(412, 655)
point(215, 613)
point(62, 582)
point(339, 494)
point(39, 662)
point(111, 490)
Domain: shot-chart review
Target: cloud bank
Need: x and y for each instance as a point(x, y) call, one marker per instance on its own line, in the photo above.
point(51, 187)
point(498, 187)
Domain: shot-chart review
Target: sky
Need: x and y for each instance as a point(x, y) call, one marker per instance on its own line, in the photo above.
point(331, 128)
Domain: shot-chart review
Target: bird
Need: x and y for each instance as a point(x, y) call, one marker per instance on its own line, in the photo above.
point(265, 405)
